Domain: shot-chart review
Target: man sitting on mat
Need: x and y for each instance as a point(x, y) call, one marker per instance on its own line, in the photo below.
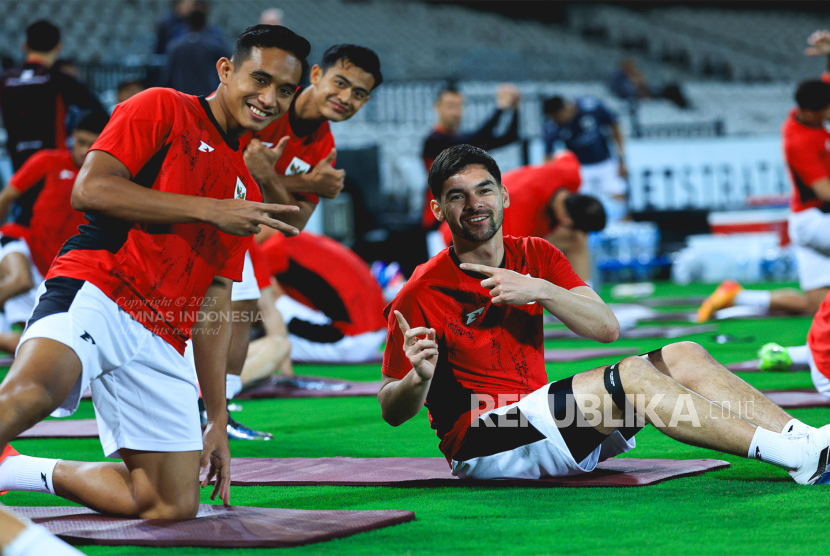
point(332, 304)
point(465, 338)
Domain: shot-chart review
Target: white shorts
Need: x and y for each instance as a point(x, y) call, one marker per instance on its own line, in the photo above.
point(248, 288)
point(144, 392)
point(18, 308)
point(348, 349)
point(547, 456)
point(810, 233)
point(602, 180)
point(821, 382)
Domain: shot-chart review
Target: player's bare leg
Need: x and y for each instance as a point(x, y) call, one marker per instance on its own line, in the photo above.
point(691, 365)
point(643, 383)
point(148, 485)
point(266, 356)
point(41, 377)
point(9, 341)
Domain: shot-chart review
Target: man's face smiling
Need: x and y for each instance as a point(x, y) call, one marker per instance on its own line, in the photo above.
point(260, 89)
point(473, 203)
point(341, 91)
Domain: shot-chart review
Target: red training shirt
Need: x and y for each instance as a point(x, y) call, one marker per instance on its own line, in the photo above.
point(484, 349)
point(325, 275)
point(301, 154)
point(807, 153)
point(530, 189)
point(819, 338)
point(159, 274)
point(53, 218)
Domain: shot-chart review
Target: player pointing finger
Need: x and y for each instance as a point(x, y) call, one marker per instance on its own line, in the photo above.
point(507, 286)
point(421, 352)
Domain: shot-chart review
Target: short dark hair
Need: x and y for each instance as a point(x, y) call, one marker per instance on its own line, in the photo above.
point(92, 120)
point(813, 95)
point(362, 57)
point(553, 105)
point(451, 89)
point(271, 36)
point(587, 212)
point(453, 160)
point(42, 36)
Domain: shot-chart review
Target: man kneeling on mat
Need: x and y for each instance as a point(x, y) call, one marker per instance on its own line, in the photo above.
point(471, 348)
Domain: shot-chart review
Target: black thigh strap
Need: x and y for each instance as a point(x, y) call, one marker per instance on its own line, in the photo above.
point(613, 384)
point(579, 436)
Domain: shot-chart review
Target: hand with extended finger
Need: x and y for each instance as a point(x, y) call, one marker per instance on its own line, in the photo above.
point(326, 181)
point(421, 352)
point(244, 218)
point(819, 43)
point(506, 286)
point(261, 160)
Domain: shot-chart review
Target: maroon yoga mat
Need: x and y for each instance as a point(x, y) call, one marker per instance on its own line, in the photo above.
point(751, 366)
point(422, 472)
point(671, 301)
point(214, 526)
point(667, 332)
point(565, 355)
point(63, 428)
point(310, 387)
point(795, 399)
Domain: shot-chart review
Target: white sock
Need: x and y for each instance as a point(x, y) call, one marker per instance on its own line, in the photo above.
point(754, 298)
point(776, 448)
point(35, 539)
point(28, 474)
point(796, 428)
point(233, 386)
point(799, 354)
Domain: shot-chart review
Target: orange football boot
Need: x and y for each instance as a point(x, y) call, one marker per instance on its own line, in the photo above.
point(721, 298)
point(7, 452)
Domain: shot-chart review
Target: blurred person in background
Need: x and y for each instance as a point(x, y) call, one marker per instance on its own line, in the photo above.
point(449, 107)
point(35, 99)
point(629, 83)
point(583, 126)
point(191, 58)
point(25, 258)
point(174, 24)
point(128, 89)
point(271, 16)
point(544, 203)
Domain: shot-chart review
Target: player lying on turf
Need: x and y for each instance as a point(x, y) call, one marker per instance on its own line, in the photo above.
point(25, 260)
point(544, 203)
point(167, 195)
point(465, 338)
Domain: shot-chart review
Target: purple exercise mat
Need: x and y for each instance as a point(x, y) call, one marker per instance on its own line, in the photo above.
point(63, 428)
point(641, 332)
point(421, 472)
point(794, 399)
point(751, 366)
point(565, 355)
point(310, 387)
point(214, 526)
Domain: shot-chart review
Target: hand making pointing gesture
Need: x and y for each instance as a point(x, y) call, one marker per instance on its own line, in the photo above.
point(422, 353)
point(506, 286)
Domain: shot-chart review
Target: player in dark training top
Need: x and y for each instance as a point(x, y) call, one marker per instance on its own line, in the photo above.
point(171, 206)
point(465, 339)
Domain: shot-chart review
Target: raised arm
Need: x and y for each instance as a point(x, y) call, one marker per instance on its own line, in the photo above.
point(103, 185)
point(580, 308)
point(401, 400)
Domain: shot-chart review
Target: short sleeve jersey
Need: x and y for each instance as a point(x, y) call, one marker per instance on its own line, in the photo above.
point(807, 153)
point(329, 277)
point(585, 134)
point(159, 274)
point(484, 349)
point(301, 154)
point(819, 338)
point(53, 219)
point(530, 189)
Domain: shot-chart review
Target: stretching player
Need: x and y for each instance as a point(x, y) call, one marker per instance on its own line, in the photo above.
point(465, 337)
point(544, 203)
point(327, 297)
point(166, 193)
point(24, 261)
point(292, 160)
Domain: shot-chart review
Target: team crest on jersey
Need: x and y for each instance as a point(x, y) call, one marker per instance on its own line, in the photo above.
point(474, 315)
point(241, 190)
point(297, 166)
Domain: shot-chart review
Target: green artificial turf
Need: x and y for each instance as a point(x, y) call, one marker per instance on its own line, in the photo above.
point(750, 508)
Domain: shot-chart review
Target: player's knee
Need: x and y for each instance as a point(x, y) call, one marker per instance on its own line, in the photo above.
point(636, 373)
point(683, 351)
point(185, 508)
